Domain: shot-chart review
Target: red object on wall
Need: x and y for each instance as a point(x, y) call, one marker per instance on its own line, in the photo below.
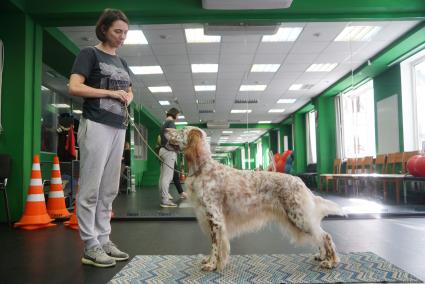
point(276, 157)
point(280, 166)
point(416, 165)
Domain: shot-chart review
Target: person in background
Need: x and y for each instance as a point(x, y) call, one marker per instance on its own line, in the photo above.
point(102, 78)
point(168, 155)
point(177, 183)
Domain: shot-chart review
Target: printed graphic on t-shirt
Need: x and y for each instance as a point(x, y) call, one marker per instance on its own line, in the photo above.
point(116, 79)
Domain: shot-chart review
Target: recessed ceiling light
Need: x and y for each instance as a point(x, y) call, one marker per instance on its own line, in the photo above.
point(227, 131)
point(322, 67)
point(265, 121)
point(204, 68)
point(204, 88)
point(198, 36)
point(295, 87)
point(77, 111)
point(164, 103)
point(265, 67)
point(61, 105)
point(357, 33)
point(286, 101)
point(252, 88)
point(283, 34)
point(180, 123)
point(44, 88)
point(135, 37)
point(180, 117)
point(240, 111)
point(160, 89)
point(144, 70)
point(278, 110)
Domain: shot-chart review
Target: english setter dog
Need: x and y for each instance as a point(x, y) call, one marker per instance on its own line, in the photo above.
point(229, 202)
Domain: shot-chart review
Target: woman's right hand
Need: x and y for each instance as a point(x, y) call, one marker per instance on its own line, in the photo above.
point(120, 95)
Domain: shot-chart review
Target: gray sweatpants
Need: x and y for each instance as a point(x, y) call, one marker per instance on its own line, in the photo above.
point(166, 174)
point(101, 149)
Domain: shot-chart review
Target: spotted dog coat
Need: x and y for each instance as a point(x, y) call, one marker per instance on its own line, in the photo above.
point(229, 202)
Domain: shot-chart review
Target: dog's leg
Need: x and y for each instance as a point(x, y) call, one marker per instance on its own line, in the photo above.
point(327, 253)
point(220, 244)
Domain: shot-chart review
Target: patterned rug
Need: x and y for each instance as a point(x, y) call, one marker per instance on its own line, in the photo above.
point(362, 267)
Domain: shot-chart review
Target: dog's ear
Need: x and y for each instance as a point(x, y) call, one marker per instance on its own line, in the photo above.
point(192, 151)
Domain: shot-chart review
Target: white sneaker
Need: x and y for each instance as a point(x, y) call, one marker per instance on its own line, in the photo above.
point(96, 256)
point(170, 196)
point(111, 249)
point(183, 195)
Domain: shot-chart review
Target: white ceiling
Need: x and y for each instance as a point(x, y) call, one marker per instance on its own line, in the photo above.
point(235, 55)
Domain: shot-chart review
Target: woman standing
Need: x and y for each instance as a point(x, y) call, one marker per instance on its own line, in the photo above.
point(103, 80)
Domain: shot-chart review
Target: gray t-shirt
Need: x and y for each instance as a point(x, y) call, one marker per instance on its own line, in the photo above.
point(168, 123)
point(103, 71)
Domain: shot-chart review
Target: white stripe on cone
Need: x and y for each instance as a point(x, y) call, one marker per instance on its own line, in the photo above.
point(56, 194)
point(35, 197)
point(36, 181)
point(55, 181)
point(35, 167)
point(56, 167)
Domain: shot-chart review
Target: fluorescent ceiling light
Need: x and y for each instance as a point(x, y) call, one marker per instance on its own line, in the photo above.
point(77, 111)
point(265, 121)
point(61, 105)
point(164, 103)
point(277, 110)
point(204, 88)
point(144, 70)
point(135, 37)
point(160, 89)
point(357, 33)
point(295, 87)
point(180, 117)
point(180, 123)
point(286, 101)
point(247, 88)
point(283, 34)
point(44, 88)
point(240, 111)
point(322, 67)
point(198, 36)
point(265, 67)
point(204, 68)
point(227, 131)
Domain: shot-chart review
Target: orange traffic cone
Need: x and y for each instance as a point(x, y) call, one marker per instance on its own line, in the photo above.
point(73, 222)
point(56, 203)
point(35, 215)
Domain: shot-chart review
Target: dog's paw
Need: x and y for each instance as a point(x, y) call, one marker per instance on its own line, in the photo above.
point(206, 259)
point(328, 264)
point(318, 257)
point(209, 266)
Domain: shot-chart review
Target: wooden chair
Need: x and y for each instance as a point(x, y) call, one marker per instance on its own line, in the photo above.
point(406, 157)
point(336, 169)
point(364, 165)
point(350, 168)
point(394, 166)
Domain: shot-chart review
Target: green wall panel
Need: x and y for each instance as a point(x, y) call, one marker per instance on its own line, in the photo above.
point(20, 102)
point(326, 133)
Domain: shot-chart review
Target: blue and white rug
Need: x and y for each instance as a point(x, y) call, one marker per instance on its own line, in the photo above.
point(361, 267)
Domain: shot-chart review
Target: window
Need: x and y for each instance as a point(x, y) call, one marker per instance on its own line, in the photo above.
point(357, 122)
point(243, 157)
point(140, 148)
point(311, 137)
point(259, 155)
point(413, 96)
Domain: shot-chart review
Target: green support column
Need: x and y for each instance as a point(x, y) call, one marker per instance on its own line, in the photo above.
point(300, 143)
point(326, 134)
point(21, 99)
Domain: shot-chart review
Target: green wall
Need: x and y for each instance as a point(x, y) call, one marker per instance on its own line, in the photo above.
point(21, 98)
point(265, 144)
point(386, 84)
point(326, 133)
point(300, 155)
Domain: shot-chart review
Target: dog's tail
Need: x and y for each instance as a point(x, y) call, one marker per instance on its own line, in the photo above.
point(326, 207)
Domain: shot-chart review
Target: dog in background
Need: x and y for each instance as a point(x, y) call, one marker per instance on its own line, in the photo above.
point(228, 202)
